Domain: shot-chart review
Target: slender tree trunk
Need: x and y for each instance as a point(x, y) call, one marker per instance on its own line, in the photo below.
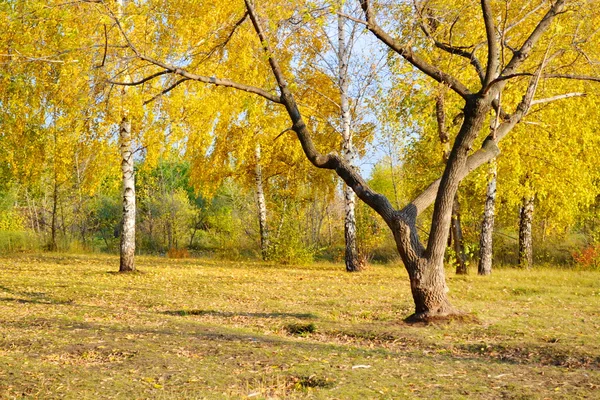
point(262, 208)
point(128, 228)
point(457, 239)
point(32, 218)
point(487, 226)
point(353, 263)
point(53, 228)
point(525, 236)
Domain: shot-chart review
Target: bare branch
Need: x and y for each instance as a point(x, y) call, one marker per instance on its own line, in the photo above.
point(523, 53)
point(182, 72)
point(493, 50)
point(332, 101)
point(407, 53)
point(572, 76)
point(524, 18)
point(559, 97)
point(105, 48)
point(351, 18)
point(118, 23)
point(489, 149)
point(140, 82)
point(330, 161)
point(589, 78)
point(167, 90)
point(456, 50)
point(226, 41)
point(282, 132)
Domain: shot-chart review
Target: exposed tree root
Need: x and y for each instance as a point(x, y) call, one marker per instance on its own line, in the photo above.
point(429, 317)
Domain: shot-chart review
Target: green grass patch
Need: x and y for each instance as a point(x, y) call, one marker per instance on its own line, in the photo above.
point(199, 328)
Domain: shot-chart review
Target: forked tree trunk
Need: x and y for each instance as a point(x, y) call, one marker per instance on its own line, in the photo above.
point(487, 226)
point(127, 263)
point(425, 264)
point(262, 208)
point(525, 235)
point(457, 239)
point(351, 258)
point(429, 290)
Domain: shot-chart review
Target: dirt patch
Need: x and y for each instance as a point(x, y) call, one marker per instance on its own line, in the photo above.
point(544, 356)
point(86, 355)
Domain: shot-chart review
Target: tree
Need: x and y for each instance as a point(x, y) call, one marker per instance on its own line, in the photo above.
point(531, 57)
point(52, 146)
point(262, 207)
point(127, 249)
point(487, 225)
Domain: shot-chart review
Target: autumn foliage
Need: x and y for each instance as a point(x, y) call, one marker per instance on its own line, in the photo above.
point(588, 257)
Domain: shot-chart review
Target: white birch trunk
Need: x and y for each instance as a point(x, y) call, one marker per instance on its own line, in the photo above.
point(351, 254)
point(128, 227)
point(487, 226)
point(262, 208)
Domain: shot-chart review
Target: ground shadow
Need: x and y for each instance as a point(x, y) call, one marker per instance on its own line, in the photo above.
point(35, 301)
point(31, 297)
point(228, 314)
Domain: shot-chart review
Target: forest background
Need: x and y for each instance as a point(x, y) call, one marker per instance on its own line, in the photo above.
point(199, 151)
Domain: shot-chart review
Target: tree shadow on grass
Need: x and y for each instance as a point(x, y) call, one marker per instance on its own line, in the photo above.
point(30, 297)
point(228, 314)
point(36, 301)
point(390, 343)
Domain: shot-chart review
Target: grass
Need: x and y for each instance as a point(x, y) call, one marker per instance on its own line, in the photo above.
point(199, 328)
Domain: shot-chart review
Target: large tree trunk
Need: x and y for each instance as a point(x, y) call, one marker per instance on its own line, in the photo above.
point(525, 236)
point(487, 226)
point(262, 208)
point(128, 228)
point(353, 264)
point(457, 239)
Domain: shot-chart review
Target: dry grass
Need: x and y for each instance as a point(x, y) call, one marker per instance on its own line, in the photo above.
point(194, 329)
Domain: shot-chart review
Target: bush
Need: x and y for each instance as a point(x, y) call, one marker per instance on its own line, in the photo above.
point(588, 257)
point(178, 253)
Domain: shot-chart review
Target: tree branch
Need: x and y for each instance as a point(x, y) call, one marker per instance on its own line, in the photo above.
point(488, 151)
point(493, 60)
point(351, 18)
point(167, 90)
point(559, 97)
point(407, 53)
point(182, 72)
point(330, 161)
point(523, 53)
point(455, 50)
point(137, 83)
point(226, 41)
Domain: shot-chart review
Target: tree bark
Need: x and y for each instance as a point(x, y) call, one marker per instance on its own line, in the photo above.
point(525, 235)
point(262, 208)
point(351, 258)
point(457, 239)
point(53, 228)
point(127, 263)
point(487, 226)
